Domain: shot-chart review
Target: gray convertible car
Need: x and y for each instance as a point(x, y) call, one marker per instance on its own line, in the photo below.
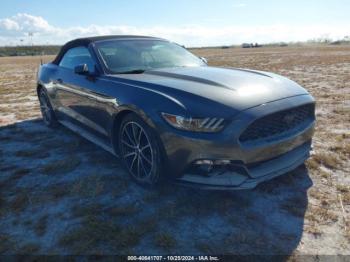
point(170, 116)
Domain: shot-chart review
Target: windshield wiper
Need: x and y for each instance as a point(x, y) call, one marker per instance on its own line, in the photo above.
point(135, 71)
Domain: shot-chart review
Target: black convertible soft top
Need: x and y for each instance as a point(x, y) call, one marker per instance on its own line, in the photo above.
point(87, 40)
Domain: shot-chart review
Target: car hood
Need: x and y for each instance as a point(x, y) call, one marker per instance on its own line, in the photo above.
point(237, 88)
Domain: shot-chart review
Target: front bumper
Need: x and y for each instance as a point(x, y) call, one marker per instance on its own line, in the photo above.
point(253, 176)
point(260, 161)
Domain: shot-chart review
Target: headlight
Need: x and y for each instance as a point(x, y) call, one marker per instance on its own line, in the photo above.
point(195, 124)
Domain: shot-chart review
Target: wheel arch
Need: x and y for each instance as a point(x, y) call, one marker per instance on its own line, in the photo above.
point(117, 119)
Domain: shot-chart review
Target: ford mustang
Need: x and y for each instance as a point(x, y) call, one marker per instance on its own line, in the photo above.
point(170, 116)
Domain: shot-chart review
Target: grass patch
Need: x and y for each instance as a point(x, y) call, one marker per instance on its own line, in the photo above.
point(59, 191)
point(75, 145)
point(96, 232)
point(345, 193)
point(41, 225)
point(29, 249)
point(317, 194)
point(346, 198)
point(328, 160)
point(19, 203)
point(294, 205)
point(28, 222)
point(126, 210)
point(10, 181)
point(314, 230)
point(321, 215)
point(7, 244)
point(32, 153)
point(324, 174)
point(151, 197)
point(204, 205)
point(5, 138)
point(118, 186)
point(8, 168)
point(165, 240)
point(92, 233)
point(18, 173)
point(91, 186)
point(87, 210)
point(61, 166)
point(255, 240)
point(340, 138)
point(97, 158)
point(2, 205)
point(312, 164)
point(347, 231)
point(343, 188)
point(208, 248)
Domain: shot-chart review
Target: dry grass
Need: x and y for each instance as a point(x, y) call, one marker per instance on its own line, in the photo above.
point(321, 215)
point(165, 240)
point(346, 198)
point(343, 188)
point(65, 165)
point(207, 248)
point(87, 210)
point(91, 186)
point(20, 202)
point(95, 232)
point(41, 225)
point(57, 191)
point(344, 191)
point(7, 244)
point(329, 160)
point(32, 153)
point(294, 205)
point(92, 233)
point(314, 229)
point(126, 210)
point(347, 231)
point(20, 172)
point(29, 249)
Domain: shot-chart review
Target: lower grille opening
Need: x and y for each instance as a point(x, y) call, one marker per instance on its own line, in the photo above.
point(209, 168)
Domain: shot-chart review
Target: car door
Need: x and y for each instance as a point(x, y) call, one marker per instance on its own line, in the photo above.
point(78, 94)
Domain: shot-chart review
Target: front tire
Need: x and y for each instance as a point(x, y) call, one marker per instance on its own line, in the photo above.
point(47, 112)
point(140, 150)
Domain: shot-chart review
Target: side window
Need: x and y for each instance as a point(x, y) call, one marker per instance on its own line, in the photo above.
point(77, 56)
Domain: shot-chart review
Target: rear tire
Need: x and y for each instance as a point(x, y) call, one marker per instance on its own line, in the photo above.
point(140, 150)
point(47, 112)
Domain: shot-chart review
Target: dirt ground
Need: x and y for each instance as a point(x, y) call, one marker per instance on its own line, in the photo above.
point(60, 194)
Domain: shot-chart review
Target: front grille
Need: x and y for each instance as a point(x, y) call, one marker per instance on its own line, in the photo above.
point(275, 125)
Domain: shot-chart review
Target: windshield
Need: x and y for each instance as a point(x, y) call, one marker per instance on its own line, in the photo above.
point(136, 56)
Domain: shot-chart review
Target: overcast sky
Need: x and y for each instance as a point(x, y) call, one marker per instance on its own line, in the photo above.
point(188, 22)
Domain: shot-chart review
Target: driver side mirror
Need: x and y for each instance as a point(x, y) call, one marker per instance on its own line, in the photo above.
point(81, 69)
point(204, 60)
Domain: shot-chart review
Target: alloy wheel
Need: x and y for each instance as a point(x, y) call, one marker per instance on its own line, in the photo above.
point(45, 108)
point(137, 152)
